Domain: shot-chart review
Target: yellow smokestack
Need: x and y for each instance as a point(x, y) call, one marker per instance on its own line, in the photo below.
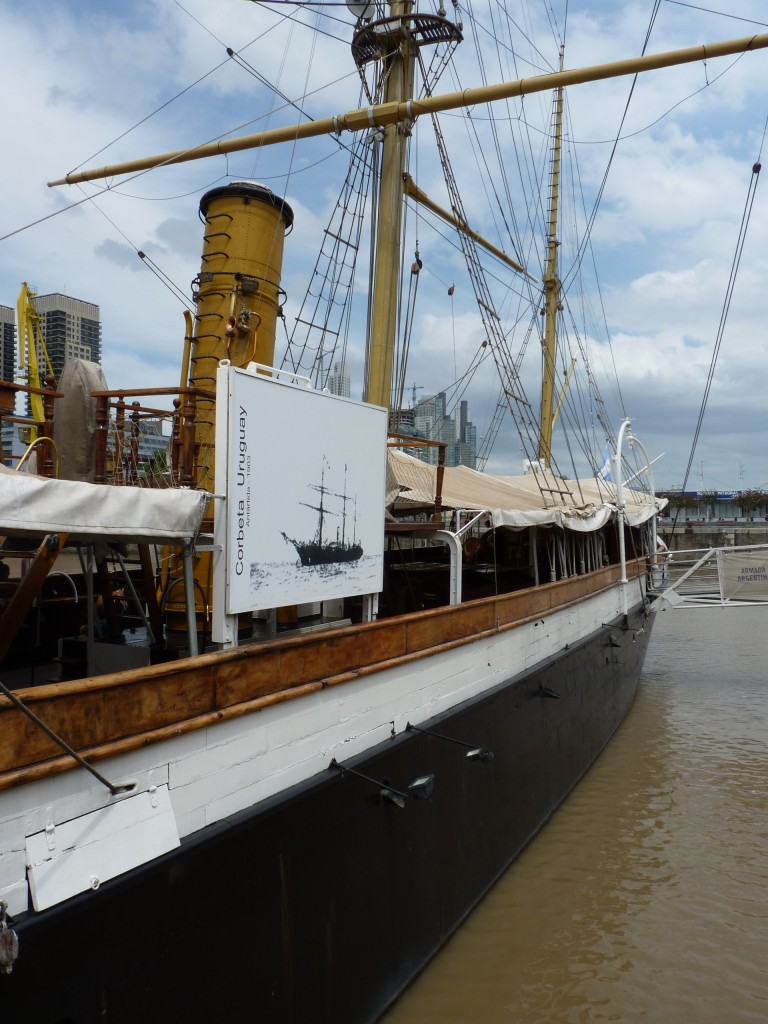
point(238, 299)
point(237, 292)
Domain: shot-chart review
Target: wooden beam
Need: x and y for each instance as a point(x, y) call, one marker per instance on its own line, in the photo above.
point(24, 597)
point(395, 112)
point(150, 592)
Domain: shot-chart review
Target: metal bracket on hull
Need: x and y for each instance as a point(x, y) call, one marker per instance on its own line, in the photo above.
point(420, 789)
point(114, 789)
point(474, 753)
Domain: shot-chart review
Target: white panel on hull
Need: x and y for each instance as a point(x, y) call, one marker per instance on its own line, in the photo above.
point(80, 854)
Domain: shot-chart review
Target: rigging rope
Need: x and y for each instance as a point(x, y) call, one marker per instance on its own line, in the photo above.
point(598, 200)
point(745, 218)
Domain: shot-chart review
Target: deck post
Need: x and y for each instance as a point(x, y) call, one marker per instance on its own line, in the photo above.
point(100, 440)
point(620, 508)
point(189, 598)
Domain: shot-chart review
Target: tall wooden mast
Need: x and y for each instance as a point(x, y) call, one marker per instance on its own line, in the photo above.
point(398, 71)
point(551, 287)
point(394, 42)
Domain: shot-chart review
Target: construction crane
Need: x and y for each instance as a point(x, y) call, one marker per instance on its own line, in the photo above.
point(31, 345)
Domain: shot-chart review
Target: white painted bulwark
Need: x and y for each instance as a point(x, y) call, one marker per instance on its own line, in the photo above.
point(67, 859)
point(201, 777)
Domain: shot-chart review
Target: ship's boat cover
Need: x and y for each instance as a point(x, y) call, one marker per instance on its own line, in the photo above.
point(74, 427)
point(32, 505)
point(540, 499)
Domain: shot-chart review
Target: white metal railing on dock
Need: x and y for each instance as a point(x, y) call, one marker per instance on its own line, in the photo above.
point(730, 577)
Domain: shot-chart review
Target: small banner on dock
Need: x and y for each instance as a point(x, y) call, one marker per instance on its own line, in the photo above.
point(743, 575)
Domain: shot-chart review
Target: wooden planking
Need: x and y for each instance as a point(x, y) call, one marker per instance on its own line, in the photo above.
point(16, 895)
point(92, 714)
point(526, 604)
point(13, 866)
point(265, 669)
point(93, 717)
point(443, 625)
point(260, 673)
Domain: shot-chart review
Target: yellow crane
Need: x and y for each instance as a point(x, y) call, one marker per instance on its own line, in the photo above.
point(31, 343)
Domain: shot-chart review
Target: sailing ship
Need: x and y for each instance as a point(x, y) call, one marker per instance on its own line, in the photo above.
point(320, 550)
point(299, 821)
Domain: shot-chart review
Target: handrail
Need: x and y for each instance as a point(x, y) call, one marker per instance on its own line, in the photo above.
point(182, 440)
point(625, 431)
point(651, 486)
point(621, 509)
point(703, 580)
point(32, 445)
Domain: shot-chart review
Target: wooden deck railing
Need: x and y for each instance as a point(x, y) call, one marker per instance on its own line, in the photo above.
point(112, 714)
point(127, 466)
point(44, 444)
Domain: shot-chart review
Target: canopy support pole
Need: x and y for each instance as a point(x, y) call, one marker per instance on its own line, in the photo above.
point(454, 545)
point(189, 598)
point(623, 429)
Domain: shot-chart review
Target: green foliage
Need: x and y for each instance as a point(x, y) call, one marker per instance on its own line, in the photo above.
point(750, 500)
point(708, 499)
point(676, 499)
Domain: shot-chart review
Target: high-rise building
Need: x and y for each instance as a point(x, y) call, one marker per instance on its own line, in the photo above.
point(339, 382)
point(431, 421)
point(71, 328)
point(465, 444)
point(7, 369)
point(7, 343)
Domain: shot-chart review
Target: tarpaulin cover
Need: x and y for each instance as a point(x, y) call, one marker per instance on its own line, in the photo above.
point(539, 499)
point(33, 505)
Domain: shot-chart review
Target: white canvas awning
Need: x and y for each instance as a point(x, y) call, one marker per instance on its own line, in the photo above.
point(33, 505)
point(516, 502)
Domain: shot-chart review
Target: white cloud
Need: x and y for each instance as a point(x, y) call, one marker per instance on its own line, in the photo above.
point(81, 74)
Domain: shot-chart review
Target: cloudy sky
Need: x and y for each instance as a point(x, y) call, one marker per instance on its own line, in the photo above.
point(81, 78)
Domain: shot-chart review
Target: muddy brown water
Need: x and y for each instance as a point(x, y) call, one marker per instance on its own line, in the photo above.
point(646, 896)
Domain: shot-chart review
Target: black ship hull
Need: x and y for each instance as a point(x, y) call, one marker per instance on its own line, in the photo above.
point(320, 905)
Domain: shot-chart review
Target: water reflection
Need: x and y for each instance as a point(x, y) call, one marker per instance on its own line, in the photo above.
point(644, 899)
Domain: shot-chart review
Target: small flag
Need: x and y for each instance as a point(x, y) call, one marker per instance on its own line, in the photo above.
point(604, 472)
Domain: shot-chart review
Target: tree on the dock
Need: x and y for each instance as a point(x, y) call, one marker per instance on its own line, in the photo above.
point(749, 501)
point(707, 502)
point(677, 499)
